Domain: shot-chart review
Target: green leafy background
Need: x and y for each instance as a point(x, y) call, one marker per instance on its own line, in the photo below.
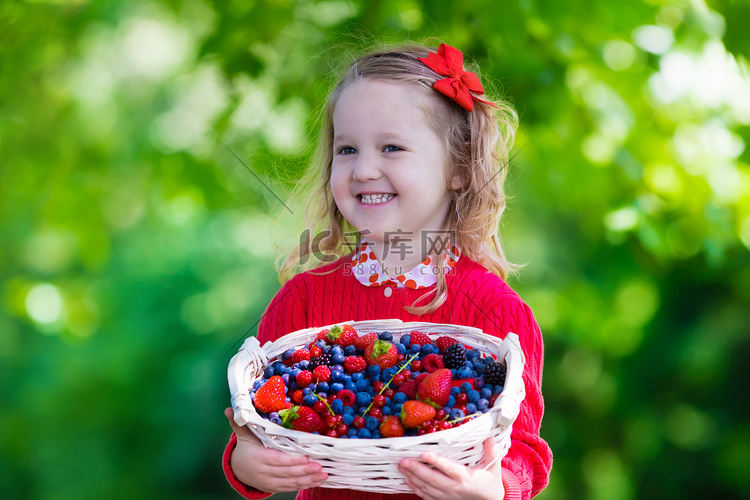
point(136, 251)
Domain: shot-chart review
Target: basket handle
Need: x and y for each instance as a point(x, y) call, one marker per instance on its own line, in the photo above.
point(514, 390)
point(243, 367)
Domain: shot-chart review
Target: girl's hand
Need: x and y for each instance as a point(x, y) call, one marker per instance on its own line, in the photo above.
point(450, 480)
point(270, 470)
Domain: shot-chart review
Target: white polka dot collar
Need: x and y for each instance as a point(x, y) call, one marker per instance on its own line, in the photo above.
point(368, 271)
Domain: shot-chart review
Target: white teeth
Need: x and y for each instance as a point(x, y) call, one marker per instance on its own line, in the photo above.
point(376, 198)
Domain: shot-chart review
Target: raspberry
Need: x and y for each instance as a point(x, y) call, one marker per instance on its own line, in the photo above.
point(300, 354)
point(354, 364)
point(432, 362)
point(419, 338)
point(444, 343)
point(409, 388)
point(304, 378)
point(321, 374)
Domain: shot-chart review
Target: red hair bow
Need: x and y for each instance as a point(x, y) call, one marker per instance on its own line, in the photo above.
point(449, 62)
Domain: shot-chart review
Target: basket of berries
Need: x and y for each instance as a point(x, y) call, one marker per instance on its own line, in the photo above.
point(358, 397)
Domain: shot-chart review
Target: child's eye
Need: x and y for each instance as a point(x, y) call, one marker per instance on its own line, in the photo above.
point(391, 149)
point(346, 150)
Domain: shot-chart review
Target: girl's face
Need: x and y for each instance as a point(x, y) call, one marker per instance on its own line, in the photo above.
point(389, 167)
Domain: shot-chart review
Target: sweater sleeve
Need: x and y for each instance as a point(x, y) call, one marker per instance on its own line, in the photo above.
point(529, 460)
point(286, 313)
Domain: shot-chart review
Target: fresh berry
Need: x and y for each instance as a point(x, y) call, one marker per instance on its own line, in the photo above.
point(454, 356)
point(381, 353)
point(321, 335)
point(354, 364)
point(378, 400)
point(409, 388)
point(302, 418)
point(362, 342)
point(321, 374)
point(421, 377)
point(415, 413)
point(347, 397)
point(343, 335)
point(297, 396)
point(323, 360)
point(432, 362)
point(416, 365)
point(342, 430)
point(435, 388)
point(358, 422)
point(392, 427)
point(320, 407)
point(444, 343)
point(272, 395)
point(304, 378)
point(494, 373)
point(419, 338)
point(301, 355)
point(315, 351)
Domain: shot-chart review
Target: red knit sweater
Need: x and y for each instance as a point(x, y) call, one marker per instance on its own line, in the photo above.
point(476, 297)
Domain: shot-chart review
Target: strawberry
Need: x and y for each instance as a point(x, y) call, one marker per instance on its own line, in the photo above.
point(409, 387)
point(300, 355)
point(362, 342)
point(343, 335)
point(302, 418)
point(381, 353)
point(321, 335)
point(420, 338)
point(272, 395)
point(444, 342)
point(354, 364)
point(435, 388)
point(432, 362)
point(322, 374)
point(392, 427)
point(415, 413)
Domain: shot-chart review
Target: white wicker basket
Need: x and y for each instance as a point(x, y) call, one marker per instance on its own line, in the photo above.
point(371, 464)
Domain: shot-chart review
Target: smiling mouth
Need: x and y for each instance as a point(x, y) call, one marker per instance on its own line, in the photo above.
point(374, 199)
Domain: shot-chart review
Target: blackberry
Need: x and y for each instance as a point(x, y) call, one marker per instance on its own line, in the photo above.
point(494, 373)
point(454, 356)
point(323, 359)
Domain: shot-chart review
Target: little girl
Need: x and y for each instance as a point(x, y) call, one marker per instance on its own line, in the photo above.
point(413, 164)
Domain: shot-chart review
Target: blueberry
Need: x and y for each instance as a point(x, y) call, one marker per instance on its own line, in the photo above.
point(363, 399)
point(307, 390)
point(451, 401)
point(279, 369)
point(295, 372)
point(336, 350)
point(347, 378)
point(323, 386)
point(336, 387)
point(385, 336)
point(357, 376)
point(294, 386)
point(453, 373)
point(373, 370)
point(364, 433)
point(376, 434)
point(397, 409)
point(269, 371)
point(351, 386)
point(490, 388)
point(287, 354)
point(313, 387)
point(482, 405)
point(464, 372)
point(309, 400)
point(337, 376)
point(274, 417)
point(427, 349)
point(323, 395)
point(337, 406)
point(386, 410)
point(304, 364)
point(455, 390)
point(498, 389)
point(372, 423)
point(469, 365)
point(479, 383)
point(405, 339)
point(416, 348)
point(388, 373)
point(286, 378)
point(472, 353)
point(400, 397)
point(257, 384)
point(362, 384)
point(456, 414)
point(471, 408)
point(352, 432)
point(350, 350)
point(338, 358)
point(401, 349)
point(361, 410)
point(485, 392)
point(348, 418)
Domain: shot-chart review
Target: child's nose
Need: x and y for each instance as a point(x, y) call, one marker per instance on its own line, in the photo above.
point(366, 167)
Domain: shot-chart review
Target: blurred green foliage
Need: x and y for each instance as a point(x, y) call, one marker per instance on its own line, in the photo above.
point(137, 251)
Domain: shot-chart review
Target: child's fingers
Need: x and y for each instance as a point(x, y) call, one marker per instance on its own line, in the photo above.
point(240, 431)
point(491, 455)
point(451, 469)
point(427, 479)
